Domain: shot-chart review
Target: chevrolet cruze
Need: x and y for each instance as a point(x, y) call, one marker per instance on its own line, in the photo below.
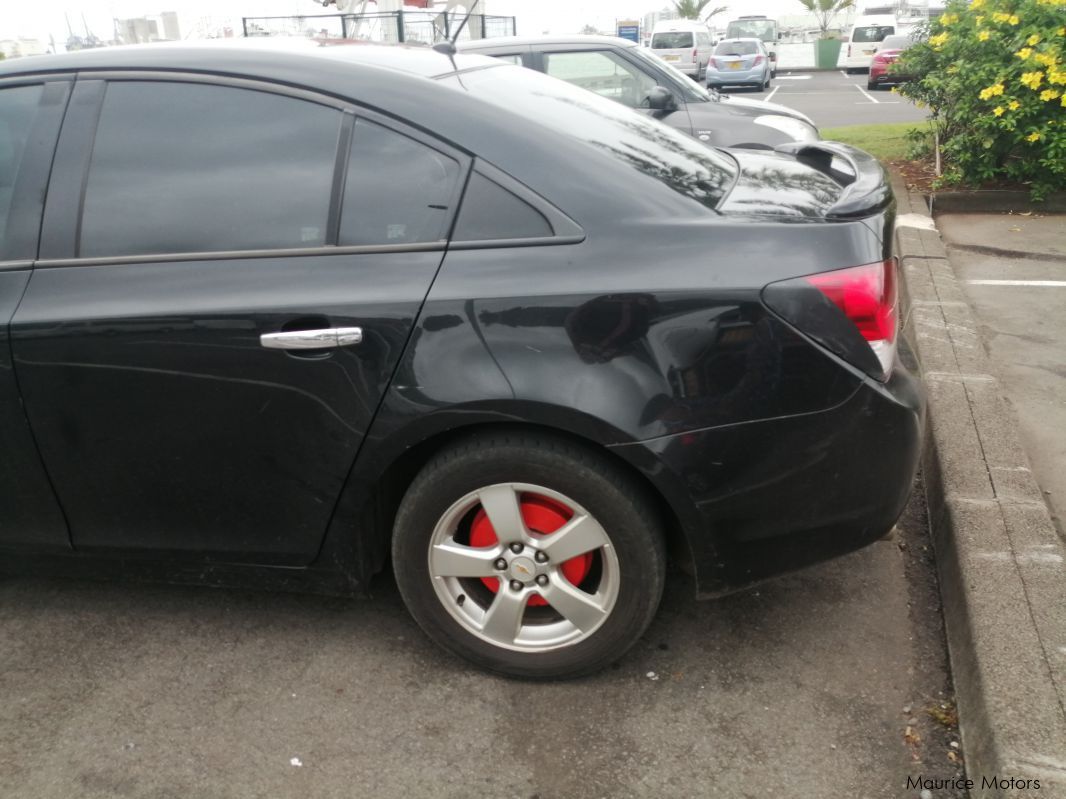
point(294, 317)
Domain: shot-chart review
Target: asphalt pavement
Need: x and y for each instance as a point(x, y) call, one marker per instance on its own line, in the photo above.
point(816, 684)
point(833, 98)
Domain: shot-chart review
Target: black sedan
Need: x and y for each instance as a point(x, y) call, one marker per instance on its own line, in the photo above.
point(273, 316)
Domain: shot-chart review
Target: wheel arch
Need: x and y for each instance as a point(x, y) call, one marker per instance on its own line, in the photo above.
point(360, 532)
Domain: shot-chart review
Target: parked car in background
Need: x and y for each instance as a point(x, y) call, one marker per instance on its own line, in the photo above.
point(739, 62)
point(685, 44)
point(887, 53)
point(268, 316)
point(862, 41)
point(759, 27)
point(621, 71)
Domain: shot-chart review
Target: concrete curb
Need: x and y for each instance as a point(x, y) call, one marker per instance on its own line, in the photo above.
point(1002, 565)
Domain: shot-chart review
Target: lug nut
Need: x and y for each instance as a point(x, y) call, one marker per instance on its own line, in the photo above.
point(516, 547)
point(541, 557)
point(515, 585)
point(500, 564)
point(542, 579)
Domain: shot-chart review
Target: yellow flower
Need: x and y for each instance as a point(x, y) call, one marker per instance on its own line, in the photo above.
point(1024, 53)
point(938, 40)
point(1061, 31)
point(1063, 101)
point(982, 36)
point(1055, 76)
point(979, 18)
point(998, 110)
point(948, 19)
point(1013, 19)
point(1046, 59)
point(1049, 94)
point(1034, 136)
point(1034, 39)
point(991, 91)
point(977, 3)
point(999, 16)
point(1032, 79)
point(1014, 105)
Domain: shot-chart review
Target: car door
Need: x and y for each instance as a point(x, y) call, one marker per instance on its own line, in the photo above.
point(31, 110)
point(229, 272)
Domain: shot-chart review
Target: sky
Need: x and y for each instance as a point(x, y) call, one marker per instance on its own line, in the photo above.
point(39, 18)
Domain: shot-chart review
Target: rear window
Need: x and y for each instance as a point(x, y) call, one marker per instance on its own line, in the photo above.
point(672, 40)
point(896, 43)
point(630, 138)
point(872, 33)
point(736, 48)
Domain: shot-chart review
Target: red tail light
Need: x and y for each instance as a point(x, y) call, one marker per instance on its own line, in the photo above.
point(714, 63)
point(758, 60)
point(868, 296)
point(849, 51)
point(852, 312)
point(695, 54)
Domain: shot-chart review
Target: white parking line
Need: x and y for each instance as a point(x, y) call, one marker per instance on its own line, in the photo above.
point(844, 73)
point(771, 94)
point(1050, 283)
point(866, 94)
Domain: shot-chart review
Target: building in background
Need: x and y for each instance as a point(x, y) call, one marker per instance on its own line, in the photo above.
point(16, 48)
point(171, 28)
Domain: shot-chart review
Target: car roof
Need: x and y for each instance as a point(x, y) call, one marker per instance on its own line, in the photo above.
point(740, 39)
point(251, 54)
point(526, 41)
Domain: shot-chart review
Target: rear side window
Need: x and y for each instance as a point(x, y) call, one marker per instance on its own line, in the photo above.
point(703, 39)
point(872, 33)
point(18, 110)
point(397, 190)
point(672, 40)
point(186, 167)
point(491, 212)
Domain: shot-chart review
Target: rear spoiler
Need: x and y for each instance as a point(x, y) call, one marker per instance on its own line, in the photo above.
point(865, 190)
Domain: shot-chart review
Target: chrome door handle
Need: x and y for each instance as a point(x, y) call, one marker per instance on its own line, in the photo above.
point(325, 338)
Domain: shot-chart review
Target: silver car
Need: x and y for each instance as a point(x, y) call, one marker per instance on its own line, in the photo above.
point(739, 62)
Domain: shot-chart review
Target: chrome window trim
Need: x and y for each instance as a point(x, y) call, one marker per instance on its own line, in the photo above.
point(227, 255)
point(14, 266)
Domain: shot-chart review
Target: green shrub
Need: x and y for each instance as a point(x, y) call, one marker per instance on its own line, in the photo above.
point(993, 73)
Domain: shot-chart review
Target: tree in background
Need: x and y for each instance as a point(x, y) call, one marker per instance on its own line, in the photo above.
point(993, 73)
point(825, 10)
point(694, 9)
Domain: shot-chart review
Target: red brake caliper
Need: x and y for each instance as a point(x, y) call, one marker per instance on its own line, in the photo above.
point(542, 517)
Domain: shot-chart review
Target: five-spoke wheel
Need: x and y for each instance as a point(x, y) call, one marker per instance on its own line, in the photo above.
point(529, 555)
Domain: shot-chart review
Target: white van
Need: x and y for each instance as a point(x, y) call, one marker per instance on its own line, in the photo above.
point(862, 43)
point(684, 44)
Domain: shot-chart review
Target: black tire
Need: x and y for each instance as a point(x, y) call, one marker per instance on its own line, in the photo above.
point(606, 491)
point(767, 84)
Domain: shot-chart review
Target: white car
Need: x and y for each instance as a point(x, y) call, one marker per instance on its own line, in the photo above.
point(866, 34)
point(685, 45)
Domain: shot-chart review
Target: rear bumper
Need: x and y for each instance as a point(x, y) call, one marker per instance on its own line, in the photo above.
point(761, 499)
point(881, 75)
point(735, 77)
